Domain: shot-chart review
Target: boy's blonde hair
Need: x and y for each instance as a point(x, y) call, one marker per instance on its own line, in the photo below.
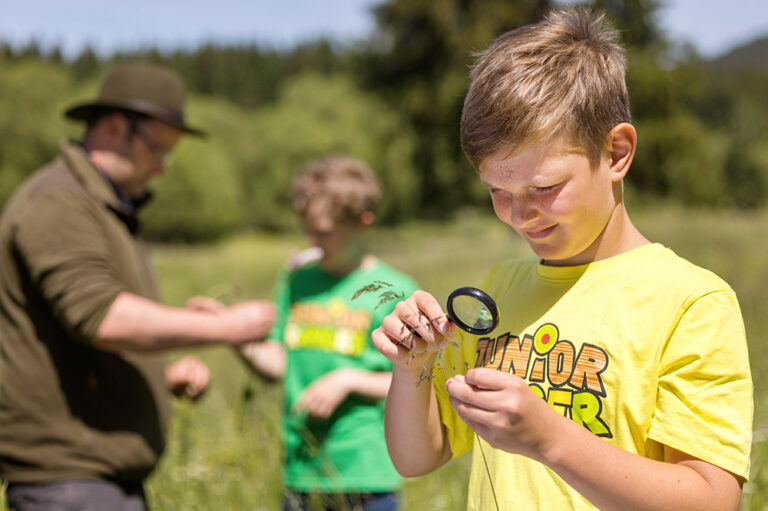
point(340, 188)
point(559, 79)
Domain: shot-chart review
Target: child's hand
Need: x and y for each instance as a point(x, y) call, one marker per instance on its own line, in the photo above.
point(503, 411)
point(323, 396)
point(416, 329)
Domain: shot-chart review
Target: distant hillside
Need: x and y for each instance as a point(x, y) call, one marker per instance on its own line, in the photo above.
point(749, 57)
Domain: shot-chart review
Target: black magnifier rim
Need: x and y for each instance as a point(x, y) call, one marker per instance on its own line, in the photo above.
point(480, 296)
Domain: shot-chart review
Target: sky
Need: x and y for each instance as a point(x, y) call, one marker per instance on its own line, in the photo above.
point(712, 26)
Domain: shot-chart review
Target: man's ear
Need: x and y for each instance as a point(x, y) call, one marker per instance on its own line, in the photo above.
point(622, 142)
point(367, 218)
point(114, 126)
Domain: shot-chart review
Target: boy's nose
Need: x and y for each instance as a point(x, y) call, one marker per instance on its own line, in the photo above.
point(522, 213)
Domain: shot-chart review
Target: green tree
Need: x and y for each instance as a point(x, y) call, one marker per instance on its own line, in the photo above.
point(31, 123)
point(418, 62)
point(317, 115)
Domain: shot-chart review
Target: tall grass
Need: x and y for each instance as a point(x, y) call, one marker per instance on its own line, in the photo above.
point(224, 451)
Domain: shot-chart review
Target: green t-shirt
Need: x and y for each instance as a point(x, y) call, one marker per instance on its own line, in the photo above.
point(323, 328)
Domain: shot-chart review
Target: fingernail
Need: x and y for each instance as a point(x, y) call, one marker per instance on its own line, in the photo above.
point(443, 325)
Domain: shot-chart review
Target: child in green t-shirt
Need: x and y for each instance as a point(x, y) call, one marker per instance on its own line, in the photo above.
point(335, 381)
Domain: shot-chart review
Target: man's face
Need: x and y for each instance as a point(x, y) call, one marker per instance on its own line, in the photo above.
point(553, 198)
point(144, 153)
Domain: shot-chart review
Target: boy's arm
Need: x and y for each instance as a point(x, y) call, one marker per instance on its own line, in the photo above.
point(508, 415)
point(324, 395)
point(416, 439)
point(266, 359)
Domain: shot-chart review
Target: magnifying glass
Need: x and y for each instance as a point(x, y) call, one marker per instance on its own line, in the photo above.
point(473, 310)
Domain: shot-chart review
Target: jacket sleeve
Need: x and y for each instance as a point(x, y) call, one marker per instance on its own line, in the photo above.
point(62, 245)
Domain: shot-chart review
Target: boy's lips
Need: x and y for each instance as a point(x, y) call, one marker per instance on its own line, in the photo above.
point(539, 232)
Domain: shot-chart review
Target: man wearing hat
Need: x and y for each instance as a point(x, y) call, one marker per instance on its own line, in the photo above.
point(83, 382)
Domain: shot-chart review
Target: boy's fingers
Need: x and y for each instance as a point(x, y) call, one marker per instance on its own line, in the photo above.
point(414, 320)
point(460, 392)
point(491, 379)
point(431, 310)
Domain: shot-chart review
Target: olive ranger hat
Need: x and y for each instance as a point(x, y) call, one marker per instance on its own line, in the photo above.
point(143, 88)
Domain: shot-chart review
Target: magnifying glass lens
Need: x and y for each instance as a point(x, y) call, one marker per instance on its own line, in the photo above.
point(473, 310)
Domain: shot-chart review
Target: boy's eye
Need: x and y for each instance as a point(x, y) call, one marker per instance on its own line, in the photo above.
point(545, 189)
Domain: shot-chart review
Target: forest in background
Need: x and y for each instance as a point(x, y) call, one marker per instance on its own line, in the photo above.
point(393, 100)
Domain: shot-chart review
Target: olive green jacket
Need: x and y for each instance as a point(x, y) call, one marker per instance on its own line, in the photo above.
point(68, 247)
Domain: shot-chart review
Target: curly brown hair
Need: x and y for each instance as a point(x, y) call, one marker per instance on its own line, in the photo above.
point(339, 187)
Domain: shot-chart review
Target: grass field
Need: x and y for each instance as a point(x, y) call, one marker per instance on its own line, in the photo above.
point(224, 452)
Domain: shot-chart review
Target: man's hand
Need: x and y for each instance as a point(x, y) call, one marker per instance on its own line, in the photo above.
point(205, 304)
point(187, 377)
point(242, 322)
point(248, 321)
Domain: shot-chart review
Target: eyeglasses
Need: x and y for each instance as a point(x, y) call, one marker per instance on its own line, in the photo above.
point(162, 155)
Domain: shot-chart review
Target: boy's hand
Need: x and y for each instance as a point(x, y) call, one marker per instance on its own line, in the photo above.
point(321, 398)
point(503, 411)
point(414, 331)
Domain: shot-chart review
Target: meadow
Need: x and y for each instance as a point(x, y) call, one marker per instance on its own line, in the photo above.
point(224, 451)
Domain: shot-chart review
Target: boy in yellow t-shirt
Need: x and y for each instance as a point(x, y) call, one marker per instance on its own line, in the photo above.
point(618, 375)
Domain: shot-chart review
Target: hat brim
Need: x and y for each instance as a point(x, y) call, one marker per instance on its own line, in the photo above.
point(86, 111)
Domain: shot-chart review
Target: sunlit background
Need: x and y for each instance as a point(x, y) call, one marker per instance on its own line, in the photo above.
point(278, 84)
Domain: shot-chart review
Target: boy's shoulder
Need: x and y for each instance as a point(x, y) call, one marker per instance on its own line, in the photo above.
point(375, 273)
point(662, 267)
point(390, 276)
point(651, 266)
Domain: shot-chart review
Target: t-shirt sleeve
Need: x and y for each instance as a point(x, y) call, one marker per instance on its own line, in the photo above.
point(704, 404)
point(281, 296)
point(60, 241)
point(454, 359)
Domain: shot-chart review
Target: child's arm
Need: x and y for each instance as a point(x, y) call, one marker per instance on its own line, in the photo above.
point(508, 415)
point(416, 439)
point(321, 398)
point(266, 359)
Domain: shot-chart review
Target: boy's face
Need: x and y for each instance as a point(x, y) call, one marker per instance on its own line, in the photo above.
point(553, 198)
point(341, 241)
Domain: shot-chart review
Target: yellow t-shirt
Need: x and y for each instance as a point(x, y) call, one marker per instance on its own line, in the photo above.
point(643, 349)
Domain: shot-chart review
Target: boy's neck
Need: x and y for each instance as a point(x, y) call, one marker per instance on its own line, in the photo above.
point(619, 236)
point(363, 261)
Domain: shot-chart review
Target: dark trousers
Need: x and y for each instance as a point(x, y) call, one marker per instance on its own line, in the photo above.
point(294, 501)
point(76, 495)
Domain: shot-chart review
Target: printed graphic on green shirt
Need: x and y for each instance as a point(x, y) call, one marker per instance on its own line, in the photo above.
point(332, 326)
point(570, 382)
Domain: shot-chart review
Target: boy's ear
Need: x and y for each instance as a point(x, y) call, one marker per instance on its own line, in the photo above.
point(367, 218)
point(622, 142)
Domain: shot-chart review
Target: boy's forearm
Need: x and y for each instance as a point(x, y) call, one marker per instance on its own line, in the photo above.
point(370, 384)
point(611, 478)
point(266, 359)
point(415, 436)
